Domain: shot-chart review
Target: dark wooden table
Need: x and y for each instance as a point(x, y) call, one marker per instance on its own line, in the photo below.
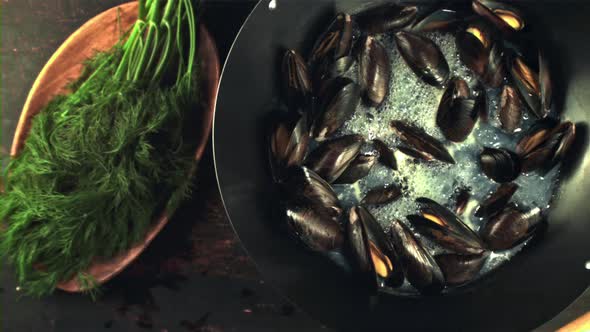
point(195, 276)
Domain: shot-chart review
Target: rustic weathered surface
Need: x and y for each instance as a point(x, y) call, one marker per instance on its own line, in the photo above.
point(194, 276)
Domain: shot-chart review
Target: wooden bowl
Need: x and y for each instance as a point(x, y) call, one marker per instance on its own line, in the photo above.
point(100, 34)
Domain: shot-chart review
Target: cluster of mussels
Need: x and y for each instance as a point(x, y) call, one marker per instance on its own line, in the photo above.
point(320, 99)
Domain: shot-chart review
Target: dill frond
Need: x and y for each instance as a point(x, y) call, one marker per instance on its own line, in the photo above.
point(97, 168)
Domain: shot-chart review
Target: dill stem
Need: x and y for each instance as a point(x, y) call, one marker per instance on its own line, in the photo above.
point(192, 36)
point(142, 9)
point(123, 65)
point(168, 42)
point(151, 39)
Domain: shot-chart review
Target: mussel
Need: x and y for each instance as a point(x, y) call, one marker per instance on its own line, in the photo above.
point(302, 184)
point(424, 57)
point(372, 251)
point(357, 169)
point(288, 142)
point(545, 145)
point(332, 55)
point(495, 72)
point(497, 200)
point(480, 52)
point(386, 155)
point(297, 81)
point(527, 82)
point(332, 157)
point(510, 227)
point(338, 102)
point(536, 135)
point(419, 266)
point(510, 109)
point(386, 17)
point(567, 135)
point(382, 195)
point(474, 45)
point(426, 146)
point(460, 269)
point(374, 71)
point(315, 228)
point(441, 19)
point(500, 165)
point(312, 210)
point(457, 113)
point(445, 228)
point(504, 17)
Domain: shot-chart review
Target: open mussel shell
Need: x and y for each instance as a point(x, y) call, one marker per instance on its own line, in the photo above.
point(457, 116)
point(374, 71)
point(527, 82)
point(289, 140)
point(445, 228)
point(373, 252)
point(500, 165)
point(297, 81)
point(460, 269)
point(507, 19)
point(482, 54)
point(313, 225)
point(497, 200)
point(510, 109)
point(382, 195)
point(424, 57)
point(441, 19)
point(419, 266)
point(474, 44)
point(357, 169)
point(331, 158)
point(386, 154)
point(510, 227)
point(340, 99)
point(385, 17)
point(428, 147)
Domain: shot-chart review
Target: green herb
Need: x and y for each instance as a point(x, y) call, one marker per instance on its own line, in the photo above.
point(101, 163)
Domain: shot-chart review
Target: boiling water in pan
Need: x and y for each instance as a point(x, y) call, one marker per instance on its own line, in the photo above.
point(415, 102)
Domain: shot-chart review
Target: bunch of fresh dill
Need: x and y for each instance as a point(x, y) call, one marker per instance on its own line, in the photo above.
point(100, 163)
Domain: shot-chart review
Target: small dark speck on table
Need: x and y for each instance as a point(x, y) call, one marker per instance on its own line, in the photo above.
point(195, 276)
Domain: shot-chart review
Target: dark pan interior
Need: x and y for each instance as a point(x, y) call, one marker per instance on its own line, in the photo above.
point(528, 291)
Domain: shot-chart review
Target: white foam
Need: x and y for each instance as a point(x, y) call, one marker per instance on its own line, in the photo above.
point(415, 102)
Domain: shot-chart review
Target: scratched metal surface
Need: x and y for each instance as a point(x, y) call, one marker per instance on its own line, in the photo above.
point(195, 276)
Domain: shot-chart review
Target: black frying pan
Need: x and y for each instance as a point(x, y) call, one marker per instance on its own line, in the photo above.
point(521, 295)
